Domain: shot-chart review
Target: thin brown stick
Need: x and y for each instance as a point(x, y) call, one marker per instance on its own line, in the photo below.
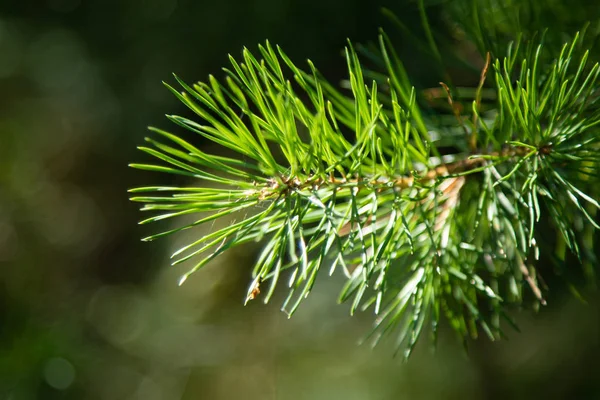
point(439, 171)
point(455, 108)
point(532, 283)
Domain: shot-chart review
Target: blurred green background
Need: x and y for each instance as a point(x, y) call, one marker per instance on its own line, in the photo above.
point(87, 311)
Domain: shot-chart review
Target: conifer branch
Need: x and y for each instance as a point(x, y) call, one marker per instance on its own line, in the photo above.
point(417, 234)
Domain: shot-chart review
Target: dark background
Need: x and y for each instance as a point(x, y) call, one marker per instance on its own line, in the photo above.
point(87, 311)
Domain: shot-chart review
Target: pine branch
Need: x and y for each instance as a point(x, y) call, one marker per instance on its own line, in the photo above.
point(417, 234)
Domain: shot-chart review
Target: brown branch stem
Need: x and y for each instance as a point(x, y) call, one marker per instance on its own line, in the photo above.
point(286, 184)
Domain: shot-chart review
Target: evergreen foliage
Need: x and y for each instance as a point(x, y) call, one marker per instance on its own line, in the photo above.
point(425, 218)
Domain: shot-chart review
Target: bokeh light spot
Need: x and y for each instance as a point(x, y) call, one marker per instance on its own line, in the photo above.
point(56, 60)
point(59, 373)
